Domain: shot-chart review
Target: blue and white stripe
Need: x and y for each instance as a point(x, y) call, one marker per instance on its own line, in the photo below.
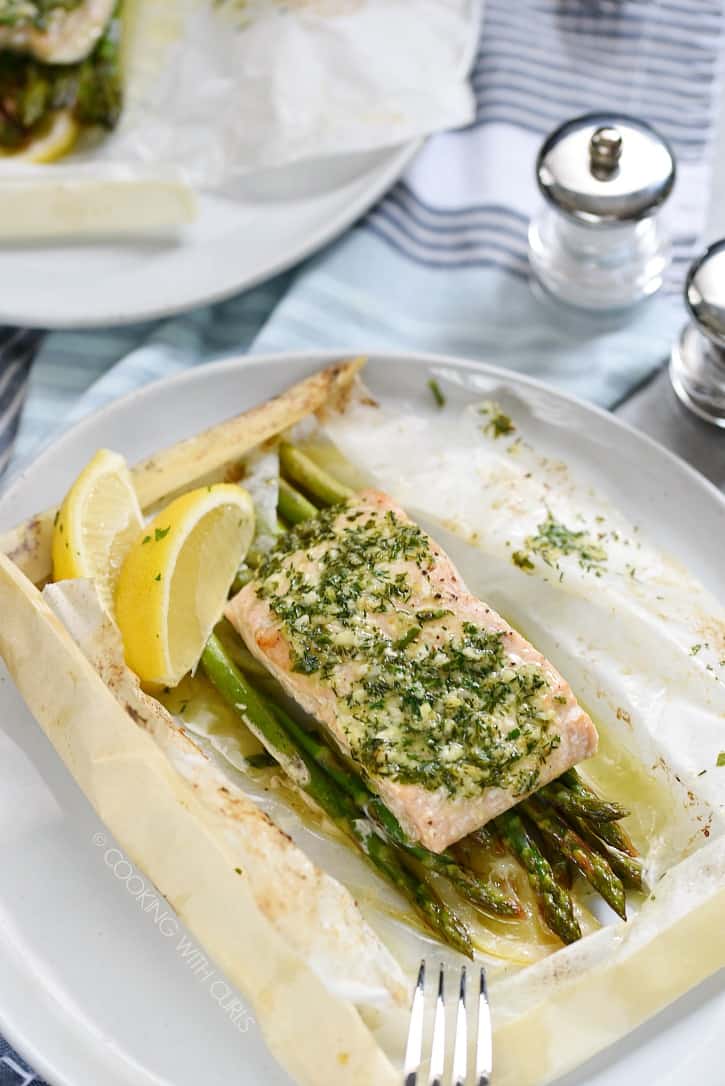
point(17, 350)
point(539, 63)
point(483, 235)
point(448, 244)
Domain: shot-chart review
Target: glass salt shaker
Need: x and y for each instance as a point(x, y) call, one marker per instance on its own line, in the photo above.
point(598, 243)
point(697, 363)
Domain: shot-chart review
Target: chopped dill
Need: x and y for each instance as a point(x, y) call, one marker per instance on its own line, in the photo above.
point(553, 540)
point(499, 423)
point(523, 561)
point(438, 395)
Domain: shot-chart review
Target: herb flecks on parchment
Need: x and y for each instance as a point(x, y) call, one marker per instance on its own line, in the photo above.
point(523, 561)
point(553, 540)
point(437, 392)
point(499, 424)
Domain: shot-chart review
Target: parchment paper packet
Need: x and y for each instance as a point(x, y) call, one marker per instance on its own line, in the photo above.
point(288, 935)
point(215, 90)
point(225, 88)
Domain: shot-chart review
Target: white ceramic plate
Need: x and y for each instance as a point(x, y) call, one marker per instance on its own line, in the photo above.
point(91, 989)
point(275, 219)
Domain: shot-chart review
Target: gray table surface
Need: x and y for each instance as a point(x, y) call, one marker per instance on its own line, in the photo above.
point(654, 408)
point(656, 411)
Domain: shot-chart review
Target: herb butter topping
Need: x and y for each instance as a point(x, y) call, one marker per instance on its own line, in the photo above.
point(425, 696)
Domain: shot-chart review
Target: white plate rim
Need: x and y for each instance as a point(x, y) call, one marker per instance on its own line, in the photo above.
point(329, 356)
point(382, 177)
point(24, 1040)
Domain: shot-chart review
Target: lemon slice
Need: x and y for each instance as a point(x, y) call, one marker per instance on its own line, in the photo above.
point(176, 577)
point(54, 141)
point(97, 523)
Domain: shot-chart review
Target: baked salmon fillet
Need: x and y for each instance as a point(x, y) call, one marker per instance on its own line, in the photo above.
point(452, 716)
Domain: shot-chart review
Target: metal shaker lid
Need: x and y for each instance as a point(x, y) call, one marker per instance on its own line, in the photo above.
point(605, 168)
point(705, 292)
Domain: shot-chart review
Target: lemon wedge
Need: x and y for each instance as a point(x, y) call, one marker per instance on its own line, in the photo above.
point(54, 141)
point(176, 577)
point(97, 523)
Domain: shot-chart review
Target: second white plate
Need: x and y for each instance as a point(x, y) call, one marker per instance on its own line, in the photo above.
point(275, 219)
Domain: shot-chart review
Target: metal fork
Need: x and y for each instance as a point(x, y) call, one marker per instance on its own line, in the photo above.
point(459, 1070)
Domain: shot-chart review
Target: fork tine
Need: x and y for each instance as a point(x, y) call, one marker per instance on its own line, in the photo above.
point(460, 1050)
point(438, 1046)
point(414, 1046)
point(484, 1039)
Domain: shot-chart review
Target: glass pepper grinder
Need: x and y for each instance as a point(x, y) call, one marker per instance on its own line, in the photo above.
point(697, 363)
point(598, 243)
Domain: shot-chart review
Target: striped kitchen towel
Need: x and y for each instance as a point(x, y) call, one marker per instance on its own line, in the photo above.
point(14, 1071)
point(440, 264)
point(17, 350)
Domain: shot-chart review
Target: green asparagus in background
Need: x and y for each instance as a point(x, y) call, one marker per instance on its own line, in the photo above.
point(20, 13)
point(31, 92)
point(99, 96)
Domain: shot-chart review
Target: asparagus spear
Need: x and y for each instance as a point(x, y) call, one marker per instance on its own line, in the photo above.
point(474, 889)
point(591, 864)
point(243, 577)
point(292, 505)
point(263, 760)
point(564, 871)
point(585, 805)
point(613, 835)
point(485, 837)
point(556, 905)
point(628, 868)
point(317, 784)
point(239, 654)
point(99, 96)
point(314, 480)
point(609, 832)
